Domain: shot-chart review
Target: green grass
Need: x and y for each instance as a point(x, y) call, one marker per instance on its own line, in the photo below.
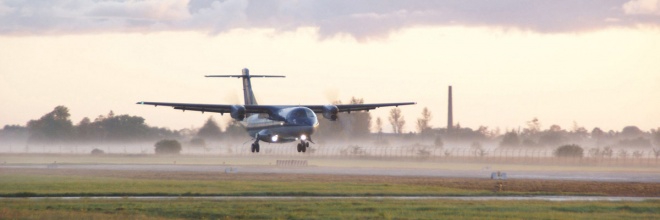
point(323, 209)
point(18, 185)
point(57, 182)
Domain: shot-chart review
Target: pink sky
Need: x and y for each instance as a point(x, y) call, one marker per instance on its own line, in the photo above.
point(598, 68)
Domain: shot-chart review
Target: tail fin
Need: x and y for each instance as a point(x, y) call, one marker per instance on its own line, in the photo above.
point(248, 95)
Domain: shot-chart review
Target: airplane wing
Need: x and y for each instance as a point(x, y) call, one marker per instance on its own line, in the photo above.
point(357, 107)
point(208, 107)
point(268, 109)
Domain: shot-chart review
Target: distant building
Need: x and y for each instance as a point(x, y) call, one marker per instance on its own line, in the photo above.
point(450, 115)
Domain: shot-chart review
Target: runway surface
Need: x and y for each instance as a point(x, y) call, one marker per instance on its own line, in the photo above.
point(602, 176)
point(460, 198)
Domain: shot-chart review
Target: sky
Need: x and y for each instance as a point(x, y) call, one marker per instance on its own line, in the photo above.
point(595, 63)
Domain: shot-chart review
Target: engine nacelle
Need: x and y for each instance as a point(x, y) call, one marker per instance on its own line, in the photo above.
point(237, 112)
point(330, 112)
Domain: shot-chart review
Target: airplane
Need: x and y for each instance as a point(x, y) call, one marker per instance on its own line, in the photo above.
point(274, 123)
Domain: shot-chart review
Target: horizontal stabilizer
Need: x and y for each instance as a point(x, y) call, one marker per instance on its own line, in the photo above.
point(248, 76)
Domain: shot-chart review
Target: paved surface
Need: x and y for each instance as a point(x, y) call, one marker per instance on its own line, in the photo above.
point(461, 198)
point(603, 176)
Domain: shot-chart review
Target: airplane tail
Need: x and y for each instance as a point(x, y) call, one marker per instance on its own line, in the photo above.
point(248, 95)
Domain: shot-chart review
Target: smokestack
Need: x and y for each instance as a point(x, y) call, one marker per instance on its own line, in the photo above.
point(450, 115)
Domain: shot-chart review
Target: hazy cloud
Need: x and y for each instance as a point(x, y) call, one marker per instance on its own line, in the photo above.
point(361, 19)
point(642, 7)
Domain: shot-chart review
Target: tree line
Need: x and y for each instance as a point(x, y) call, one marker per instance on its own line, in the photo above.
point(555, 135)
point(56, 126)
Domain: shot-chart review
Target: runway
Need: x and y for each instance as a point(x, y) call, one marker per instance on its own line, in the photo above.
point(601, 176)
point(459, 198)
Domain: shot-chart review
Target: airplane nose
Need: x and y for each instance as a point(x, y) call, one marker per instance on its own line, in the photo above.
point(313, 122)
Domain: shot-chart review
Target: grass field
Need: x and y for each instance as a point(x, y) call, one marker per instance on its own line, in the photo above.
point(58, 182)
point(323, 209)
point(16, 183)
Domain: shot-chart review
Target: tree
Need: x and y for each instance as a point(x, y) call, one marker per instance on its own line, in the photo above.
point(551, 139)
point(637, 142)
point(510, 139)
point(483, 130)
point(477, 149)
point(234, 129)
point(168, 147)
point(356, 124)
point(597, 134)
point(124, 128)
point(607, 152)
point(423, 123)
point(579, 132)
point(197, 142)
point(53, 126)
point(571, 150)
point(13, 132)
point(655, 137)
point(210, 130)
point(631, 132)
point(84, 129)
point(396, 120)
point(555, 128)
point(533, 126)
point(359, 121)
point(379, 125)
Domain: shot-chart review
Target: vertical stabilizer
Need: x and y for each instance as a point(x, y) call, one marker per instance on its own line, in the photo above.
point(248, 95)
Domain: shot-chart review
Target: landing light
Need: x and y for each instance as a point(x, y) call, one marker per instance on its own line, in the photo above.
point(303, 137)
point(274, 138)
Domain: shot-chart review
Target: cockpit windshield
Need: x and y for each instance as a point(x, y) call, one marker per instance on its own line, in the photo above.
point(302, 116)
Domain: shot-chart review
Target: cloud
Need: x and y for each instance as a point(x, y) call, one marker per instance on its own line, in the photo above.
point(361, 19)
point(642, 7)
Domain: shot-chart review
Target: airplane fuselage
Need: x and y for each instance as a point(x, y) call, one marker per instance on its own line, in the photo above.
point(285, 125)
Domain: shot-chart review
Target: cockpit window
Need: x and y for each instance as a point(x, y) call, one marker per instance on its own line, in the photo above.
point(298, 113)
point(302, 116)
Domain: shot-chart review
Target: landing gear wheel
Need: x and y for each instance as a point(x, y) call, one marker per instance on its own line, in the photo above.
point(307, 145)
point(304, 149)
point(299, 148)
point(255, 147)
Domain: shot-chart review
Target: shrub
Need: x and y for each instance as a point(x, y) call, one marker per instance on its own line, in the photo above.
point(97, 151)
point(571, 150)
point(198, 142)
point(168, 147)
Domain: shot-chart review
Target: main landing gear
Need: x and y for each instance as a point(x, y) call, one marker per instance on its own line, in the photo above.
point(302, 146)
point(255, 146)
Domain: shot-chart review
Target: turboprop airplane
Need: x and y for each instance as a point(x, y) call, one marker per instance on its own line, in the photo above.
point(274, 123)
